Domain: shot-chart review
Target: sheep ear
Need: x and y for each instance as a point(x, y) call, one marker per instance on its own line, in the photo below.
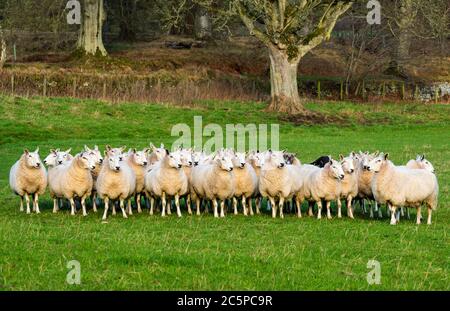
point(123, 148)
point(68, 150)
point(386, 156)
point(167, 151)
point(353, 154)
point(26, 151)
point(146, 150)
point(86, 148)
point(341, 157)
point(37, 150)
point(134, 150)
point(422, 158)
point(162, 145)
point(106, 153)
point(96, 148)
point(52, 151)
point(108, 147)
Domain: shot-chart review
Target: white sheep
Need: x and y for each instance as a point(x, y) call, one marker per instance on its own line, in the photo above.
point(187, 162)
point(274, 180)
point(322, 184)
point(400, 186)
point(73, 179)
point(256, 160)
point(116, 181)
point(213, 180)
point(349, 184)
point(97, 155)
point(137, 160)
point(28, 177)
point(246, 182)
point(56, 157)
point(166, 180)
point(364, 182)
point(297, 180)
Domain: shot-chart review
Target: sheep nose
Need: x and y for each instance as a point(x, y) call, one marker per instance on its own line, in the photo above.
point(242, 164)
point(196, 163)
point(117, 168)
point(101, 161)
point(231, 169)
point(59, 162)
point(145, 162)
point(282, 165)
point(190, 162)
point(45, 162)
point(341, 176)
point(38, 164)
point(179, 165)
point(352, 170)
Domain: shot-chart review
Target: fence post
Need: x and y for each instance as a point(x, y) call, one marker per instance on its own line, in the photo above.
point(74, 88)
point(12, 84)
point(45, 86)
point(436, 95)
point(363, 91)
point(318, 90)
point(416, 92)
point(403, 90)
point(342, 90)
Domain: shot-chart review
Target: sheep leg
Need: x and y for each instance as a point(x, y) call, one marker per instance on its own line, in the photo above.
point(114, 208)
point(339, 204)
point(106, 208)
point(197, 206)
point(258, 205)
point(393, 215)
point(319, 209)
point(362, 202)
point(152, 205)
point(83, 205)
point(298, 204)
point(281, 204)
point(216, 214)
point(430, 210)
point(328, 209)
point(419, 215)
point(188, 203)
point(177, 204)
point(94, 202)
point(138, 202)
point(371, 210)
point(36, 203)
point(397, 215)
point(55, 205)
point(27, 201)
point(147, 202)
point(163, 200)
point(349, 207)
point(244, 205)
point(21, 203)
point(274, 209)
point(122, 208)
point(402, 211)
point(169, 206)
point(380, 213)
point(310, 209)
point(222, 208)
point(130, 210)
point(235, 207)
point(407, 213)
point(72, 206)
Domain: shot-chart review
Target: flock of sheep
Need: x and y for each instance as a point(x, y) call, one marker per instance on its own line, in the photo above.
point(222, 179)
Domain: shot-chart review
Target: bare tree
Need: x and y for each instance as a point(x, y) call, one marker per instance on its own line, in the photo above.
point(289, 29)
point(90, 39)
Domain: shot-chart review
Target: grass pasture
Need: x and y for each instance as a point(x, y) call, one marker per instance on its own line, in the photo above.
point(235, 253)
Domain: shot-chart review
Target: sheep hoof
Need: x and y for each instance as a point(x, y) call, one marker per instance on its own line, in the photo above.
point(104, 221)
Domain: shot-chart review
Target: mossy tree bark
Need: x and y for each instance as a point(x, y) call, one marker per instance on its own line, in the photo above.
point(289, 29)
point(202, 23)
point(90, 40)
point(2, 48)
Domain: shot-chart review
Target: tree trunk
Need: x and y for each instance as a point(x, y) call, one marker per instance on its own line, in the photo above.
point(2, 48)
point(202, 24)
point(128, 21)
point(90, 40)
point(283, 82)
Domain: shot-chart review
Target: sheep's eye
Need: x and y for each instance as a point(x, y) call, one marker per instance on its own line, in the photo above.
point(120, 159)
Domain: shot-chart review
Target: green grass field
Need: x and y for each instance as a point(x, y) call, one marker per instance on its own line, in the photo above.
point(236, 253)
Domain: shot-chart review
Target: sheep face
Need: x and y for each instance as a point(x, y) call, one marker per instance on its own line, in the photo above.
point(63, 157)
point(197, 157)
point(424, 163)
point(140, 157)
point(158, 152)
point(365, 158)
point(238, 159)
point(335, 169)
point(276, 158)
point(87, 160)
point(376, 163)
point(224, 161)
point(174, 159)
point(51, 159)
point(186, 157)
point(32, 159)
point(347, 163)
point(114, 162)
